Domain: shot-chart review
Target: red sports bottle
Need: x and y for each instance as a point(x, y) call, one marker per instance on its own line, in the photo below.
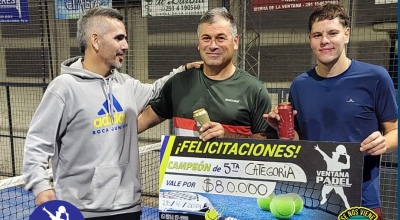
point(286, 124)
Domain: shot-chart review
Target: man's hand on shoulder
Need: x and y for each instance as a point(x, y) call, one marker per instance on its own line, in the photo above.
point(195, 64)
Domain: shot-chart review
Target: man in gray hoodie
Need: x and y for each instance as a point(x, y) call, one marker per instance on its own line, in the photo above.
point(87, 124)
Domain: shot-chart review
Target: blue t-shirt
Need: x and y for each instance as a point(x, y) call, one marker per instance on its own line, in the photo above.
point(347, 108)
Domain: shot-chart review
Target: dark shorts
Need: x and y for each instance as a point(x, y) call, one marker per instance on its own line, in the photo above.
point(130, 216)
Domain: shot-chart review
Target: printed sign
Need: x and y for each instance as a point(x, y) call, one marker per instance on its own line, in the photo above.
point(73, 9)
point(14, 11)
point(173, 7)
point(56, 210)
point(258, 179)
point(385, 1)
point(273, 5)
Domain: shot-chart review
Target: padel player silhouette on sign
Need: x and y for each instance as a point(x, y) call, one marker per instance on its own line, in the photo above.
point(61, 210)
point(334, 165)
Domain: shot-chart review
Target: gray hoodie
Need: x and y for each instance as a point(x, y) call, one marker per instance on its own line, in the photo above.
point(87, 125)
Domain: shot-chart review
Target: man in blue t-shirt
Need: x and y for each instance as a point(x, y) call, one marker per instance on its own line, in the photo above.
point(344, 100)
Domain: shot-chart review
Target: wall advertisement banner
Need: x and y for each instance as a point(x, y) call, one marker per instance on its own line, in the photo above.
point(378, 2)
point(173, 7)
point(259, 179)
point(273, 5)
point(14, 11)
point(73, 9)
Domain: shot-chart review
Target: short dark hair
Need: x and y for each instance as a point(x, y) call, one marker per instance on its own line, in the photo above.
point(329, 11)
point(212, 15)
point(84, 23)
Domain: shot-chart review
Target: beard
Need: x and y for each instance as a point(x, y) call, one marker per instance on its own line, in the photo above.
point(117, 65)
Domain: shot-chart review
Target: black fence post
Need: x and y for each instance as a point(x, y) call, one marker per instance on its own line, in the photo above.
point(11, 130)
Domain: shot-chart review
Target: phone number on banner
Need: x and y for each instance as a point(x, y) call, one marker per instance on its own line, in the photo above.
point(182, 9)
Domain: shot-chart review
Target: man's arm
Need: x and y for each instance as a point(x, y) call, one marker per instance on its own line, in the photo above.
point(390, 132)
point(40, 145)
point(377, 144)
point(148, 119)
point(45, 196)
point(149, 92)
point(273, 117)
point(296, 136)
